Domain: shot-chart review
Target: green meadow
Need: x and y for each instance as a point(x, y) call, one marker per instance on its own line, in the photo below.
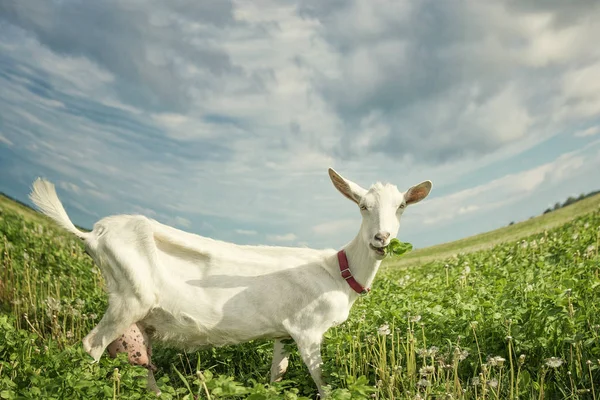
point(509, 314)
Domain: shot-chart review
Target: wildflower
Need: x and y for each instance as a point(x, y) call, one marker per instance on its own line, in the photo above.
point(554, 362)
point(384, 330)
point(522, 359)
point(475, 381)
point(474, 324)
point(433, 351)
point(499, 361)
point(508, 338)
point(460, 354)
point(590, 250)
point(79, 303)
point(427, 370)
point(528, 288)
point(53, 304)
point(93, 316)
point(416, 318)
point(493, 383)
point(423, 383)
point(524, 244)
point(69, 334)
point(25, 255)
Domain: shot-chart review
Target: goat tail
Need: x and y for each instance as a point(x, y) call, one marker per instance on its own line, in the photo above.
point(43, 195)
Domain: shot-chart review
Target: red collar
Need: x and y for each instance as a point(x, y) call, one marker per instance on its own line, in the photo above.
point(347, 275)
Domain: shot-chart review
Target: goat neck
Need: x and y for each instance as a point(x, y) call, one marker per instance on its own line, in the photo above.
point(363, 264)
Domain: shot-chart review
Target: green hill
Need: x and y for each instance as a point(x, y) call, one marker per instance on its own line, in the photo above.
point(505, 234)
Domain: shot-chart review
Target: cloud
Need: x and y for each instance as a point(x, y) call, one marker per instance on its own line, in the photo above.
point(337, 227)
point(587, 132)
point(153, 51)
point(288, 237)
point(228, 114)
point(454, 81)
point(502, 192)
point(183, 222)
point(5, 140)
point(246, 232)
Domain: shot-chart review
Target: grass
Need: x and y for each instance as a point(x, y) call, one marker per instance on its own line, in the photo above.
point(505, 234)
point(516, 320)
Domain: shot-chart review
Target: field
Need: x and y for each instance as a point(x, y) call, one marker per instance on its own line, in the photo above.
point(511, 320)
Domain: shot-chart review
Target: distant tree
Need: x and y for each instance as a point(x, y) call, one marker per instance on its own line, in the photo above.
point(556, 205)
point(511, 223)
point(569, 201)
point(581, 196)
point(547, 210)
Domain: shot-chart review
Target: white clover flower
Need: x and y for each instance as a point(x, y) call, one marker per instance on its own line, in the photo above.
point(423, 383)
point(427, 370)
point(416, 318)
point(384, 330)
point(499, 361)
point(554, 362)
point(493, 383)
point(433, 351)
point(528, 288)
point(53, 304)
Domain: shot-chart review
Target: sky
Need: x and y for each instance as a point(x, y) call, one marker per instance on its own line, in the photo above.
point(222, 117)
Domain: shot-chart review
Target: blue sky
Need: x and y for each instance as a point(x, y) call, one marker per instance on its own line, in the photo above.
point(221, 118)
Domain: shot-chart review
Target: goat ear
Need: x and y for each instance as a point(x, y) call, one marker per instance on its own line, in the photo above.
point(348, 188)
point(417, 193)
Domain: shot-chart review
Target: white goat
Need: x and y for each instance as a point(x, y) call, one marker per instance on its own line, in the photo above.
point(191, 291)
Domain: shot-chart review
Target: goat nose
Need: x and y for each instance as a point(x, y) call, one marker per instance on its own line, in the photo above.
point(382, 236)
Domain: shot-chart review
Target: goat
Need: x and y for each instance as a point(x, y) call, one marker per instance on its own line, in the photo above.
point(190, 291)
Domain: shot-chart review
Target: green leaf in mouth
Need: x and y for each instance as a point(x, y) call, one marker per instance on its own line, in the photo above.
point(397, 248)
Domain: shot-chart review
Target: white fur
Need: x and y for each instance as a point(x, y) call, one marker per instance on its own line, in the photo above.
point(193, 291)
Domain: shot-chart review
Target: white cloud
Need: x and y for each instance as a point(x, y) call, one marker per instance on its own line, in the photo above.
point(337, 227)
point(5, 140)
point(246, 232)
point(288, 237)
point(501, 192)
point(183, 222)
point(588, 132)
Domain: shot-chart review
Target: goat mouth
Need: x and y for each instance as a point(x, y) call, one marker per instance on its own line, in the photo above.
point(379, 250)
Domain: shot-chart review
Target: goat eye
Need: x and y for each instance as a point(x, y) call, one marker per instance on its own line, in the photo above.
point(402, 205)
point(363, 207)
